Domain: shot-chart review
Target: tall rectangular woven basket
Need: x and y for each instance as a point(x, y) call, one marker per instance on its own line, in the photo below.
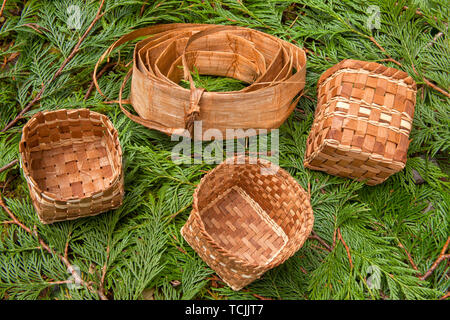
point(362, 122)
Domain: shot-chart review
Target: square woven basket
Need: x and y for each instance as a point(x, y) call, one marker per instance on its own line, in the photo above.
point(362, 122)
point(72, 161)
point(247, 218)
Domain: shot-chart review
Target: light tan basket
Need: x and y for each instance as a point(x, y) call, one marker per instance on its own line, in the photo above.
point(72, 162)
point(362, 122)
point(247, 218)
point(274, 69)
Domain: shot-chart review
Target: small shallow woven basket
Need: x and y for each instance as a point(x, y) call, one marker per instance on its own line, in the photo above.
point(72, 162)
point(362, 122)
point(247, 218)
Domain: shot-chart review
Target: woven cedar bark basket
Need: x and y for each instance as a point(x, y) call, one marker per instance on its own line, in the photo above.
point(247, 218)
point(362, 122)
point(274, 69)
point(72, 162)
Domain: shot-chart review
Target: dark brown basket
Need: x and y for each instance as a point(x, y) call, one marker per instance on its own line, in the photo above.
point(72, 162)
point(247, 218)
point(362, 123)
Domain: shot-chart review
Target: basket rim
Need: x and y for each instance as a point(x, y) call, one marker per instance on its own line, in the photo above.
point(359, 64)
point(243, 263)
point(52, 196)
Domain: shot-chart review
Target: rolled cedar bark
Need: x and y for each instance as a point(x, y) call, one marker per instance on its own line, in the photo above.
point(273, 69)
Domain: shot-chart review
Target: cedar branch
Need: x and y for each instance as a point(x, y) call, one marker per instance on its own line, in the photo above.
point(44, 246)
point(442, 256)
point(58, 72)
point(427, 82)
point(432, 85)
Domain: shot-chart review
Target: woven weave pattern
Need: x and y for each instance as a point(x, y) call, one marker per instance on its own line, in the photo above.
point(247, 218)
point(241, 226)
point(72, 162)
point(362, 122)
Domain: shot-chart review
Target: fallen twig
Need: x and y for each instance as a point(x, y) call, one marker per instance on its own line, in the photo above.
point(260, 297)
point(105, 266)
point(66, 248)
point(346, 247)
point(432, 85)
point(442, 256)
point(446, 296)
point(9, 165)
point(427, 82)
point(92, 85)
point(409, 256)
point(142, 8)
point(385, 52)
point(315, 236)
point(10, 58)
point(59, 71)
point(44, 246)
point(3, 7)
point(35, 27)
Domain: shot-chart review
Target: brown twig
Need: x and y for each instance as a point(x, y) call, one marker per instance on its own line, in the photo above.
point(59, 71)
point(66, 248)
point(142, 8)
point(442, 256)
point(101, 72)
point(334, 239)
point(10, 58)
point(385, 52)
point(446, 296)
point(346, 247)
point(9, 165)
point(315, 236)
point(35, 27)
point(44, 246)
point(260, 297)
point(427, 82)
point(3, 7)
point(409, 256)
point(432, 85)
point(105, 266)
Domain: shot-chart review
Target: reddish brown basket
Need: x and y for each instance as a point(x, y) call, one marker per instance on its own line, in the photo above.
point(362, 122)
point(72, 162)
point(247, 218)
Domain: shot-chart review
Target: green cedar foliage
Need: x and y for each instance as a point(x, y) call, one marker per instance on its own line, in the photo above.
point(139, 245)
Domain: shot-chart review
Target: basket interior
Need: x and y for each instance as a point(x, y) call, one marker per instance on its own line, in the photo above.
point(238, 224)
point(72, 158)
